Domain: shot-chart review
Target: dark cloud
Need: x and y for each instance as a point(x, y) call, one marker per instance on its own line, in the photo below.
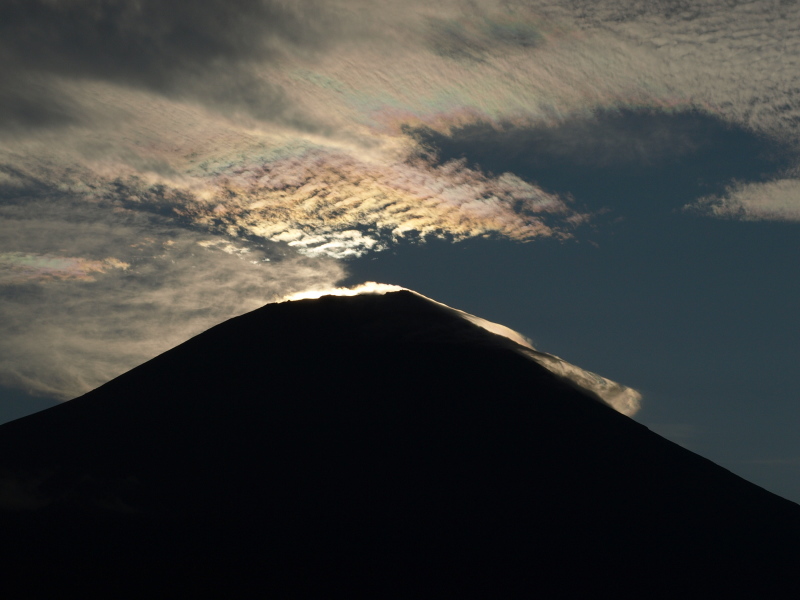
point(202, 50)
point(28, 104)
point(17, 186)
point(513, 33)
point(604, 139)
point(149, 41)
point(473, 38)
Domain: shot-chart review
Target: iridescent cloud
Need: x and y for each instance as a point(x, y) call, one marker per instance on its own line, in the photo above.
point(326, 203)
point(19, 267)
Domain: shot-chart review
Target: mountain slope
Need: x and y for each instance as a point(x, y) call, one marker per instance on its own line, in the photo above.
point(384, 437)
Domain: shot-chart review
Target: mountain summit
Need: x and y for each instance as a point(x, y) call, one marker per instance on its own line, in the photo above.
point(381, 438)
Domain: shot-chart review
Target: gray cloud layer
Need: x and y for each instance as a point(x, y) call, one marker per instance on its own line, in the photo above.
point(203, 50)
point(89, 293)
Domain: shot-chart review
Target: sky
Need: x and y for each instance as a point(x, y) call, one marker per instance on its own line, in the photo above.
point(618, 181)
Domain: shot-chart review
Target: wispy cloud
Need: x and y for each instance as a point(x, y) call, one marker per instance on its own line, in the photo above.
point(382, 69)
point(69, 324)
point(324, 202)
point(19, 267)
point(777, 200)
point(621, 398)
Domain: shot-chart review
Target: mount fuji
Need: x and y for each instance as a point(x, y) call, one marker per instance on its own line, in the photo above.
point(379, 440)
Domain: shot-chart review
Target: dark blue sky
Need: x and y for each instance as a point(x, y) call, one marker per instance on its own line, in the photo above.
point(699, 314)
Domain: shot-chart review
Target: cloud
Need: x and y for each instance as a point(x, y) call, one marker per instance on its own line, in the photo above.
point(320, 198)
point(233, 85)
point(70, 324)
point(149, 42)
point(324, 202)
point(740, 59)
point(368, 287)
point(284, 125)
point(618, 138)
point(621, 398)
point(350, 62)
point(30, 103)
point(18, 267)
point(777, 200)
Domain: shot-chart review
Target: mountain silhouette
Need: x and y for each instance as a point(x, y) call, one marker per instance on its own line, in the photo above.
point(373, 440)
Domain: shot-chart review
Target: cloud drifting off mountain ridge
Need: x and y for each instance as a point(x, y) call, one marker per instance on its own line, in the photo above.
point(619, 397)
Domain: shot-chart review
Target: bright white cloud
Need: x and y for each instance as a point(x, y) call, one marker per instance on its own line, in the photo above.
point(369, 287)
point(619, 397)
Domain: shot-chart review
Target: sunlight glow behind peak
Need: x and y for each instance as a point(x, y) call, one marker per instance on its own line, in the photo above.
point(368, 287)
point(619, 397)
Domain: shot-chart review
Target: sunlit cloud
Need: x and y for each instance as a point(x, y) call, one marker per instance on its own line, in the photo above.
point(621, 398)
point(70, 324)
point(322, 202)
point(325, 147)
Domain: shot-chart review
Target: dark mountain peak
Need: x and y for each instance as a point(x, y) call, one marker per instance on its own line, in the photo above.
point(404, 316)
point(401, 316)
point(383, 436)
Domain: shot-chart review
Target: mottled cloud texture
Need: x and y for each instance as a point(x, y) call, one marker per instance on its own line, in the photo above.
point(141, 140)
